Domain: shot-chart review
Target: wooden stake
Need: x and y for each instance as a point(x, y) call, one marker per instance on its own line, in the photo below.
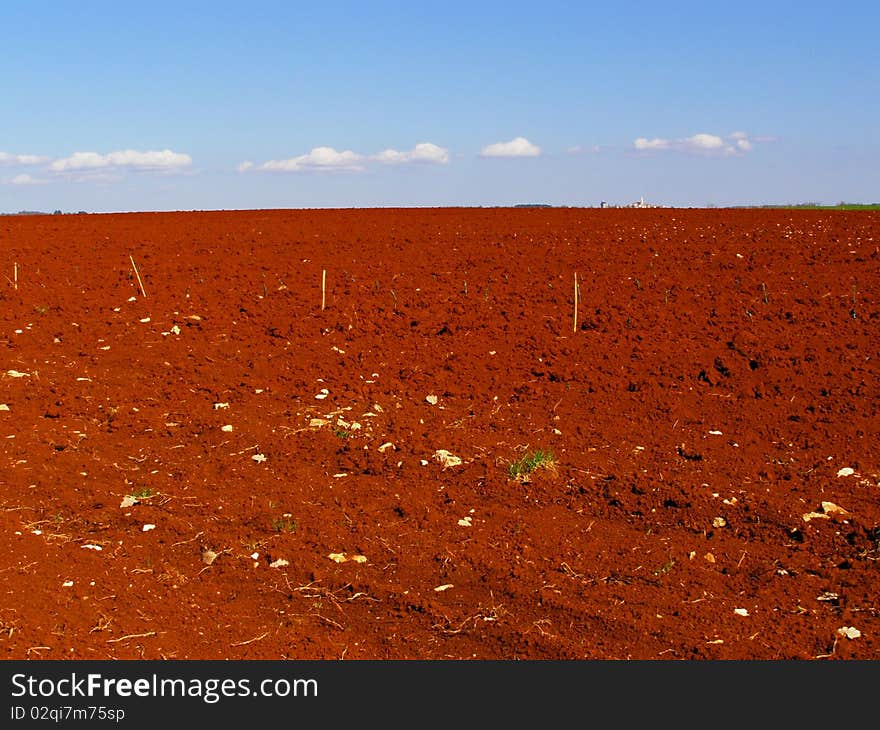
point(575, 328)
point(323, 288)
point(137, 274)
point(15, 274)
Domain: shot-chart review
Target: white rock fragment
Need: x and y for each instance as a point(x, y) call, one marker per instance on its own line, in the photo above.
point(218, 406)
point(67, 584)
point(128, 501)
point(423, 462)
point(444, 587)
point(465, 522)
point(741, 612)
point(323, 394)
point(719, 522)
point(446, 459)
point(384, 447)
point(144, 320)
point(343, 558)
point(829, 508)
point(432, 399)
point(132, 299)
point(846, 472)
point(148, 527)
point(4, 407)
point(715, 433)
point(280, 563)
point(255, 556)
point(318, 422)
point(259, 458)
point(850, 632)
point(17, 374)
point(175, 330)
point(38, 532)
point(93, 547)
point(227, 428)
point(209, 556)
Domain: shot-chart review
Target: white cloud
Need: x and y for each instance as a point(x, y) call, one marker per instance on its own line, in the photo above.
point(428, 152)
point(518, 147)
point(8, 159)
point(642, 143)
point(702, 143)
point(422, 152)
point(329, 159)
point(391, 157)
point(25, 179)
point(320, 158)
point(162, 160)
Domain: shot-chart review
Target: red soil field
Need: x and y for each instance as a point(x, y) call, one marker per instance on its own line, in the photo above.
point(198, 461)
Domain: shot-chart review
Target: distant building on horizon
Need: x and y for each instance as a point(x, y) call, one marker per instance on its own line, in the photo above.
point(640, 203)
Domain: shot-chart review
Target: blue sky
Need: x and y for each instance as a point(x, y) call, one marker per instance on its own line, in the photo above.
point(234, 105)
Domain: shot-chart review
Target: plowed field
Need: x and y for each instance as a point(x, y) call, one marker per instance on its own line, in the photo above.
point(205, 453)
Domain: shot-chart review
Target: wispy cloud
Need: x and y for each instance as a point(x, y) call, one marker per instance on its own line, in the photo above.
point(25, 179)
point(643, 143)
point(517, 147)
point(736, 143)
point(319, 159)
point(581, 150)
point(7, 158)
point(151, 161)
point(742, 141)
point(328, 159)
point(422, 152)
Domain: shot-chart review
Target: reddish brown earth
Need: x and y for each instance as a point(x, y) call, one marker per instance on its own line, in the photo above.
point(723, 371)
